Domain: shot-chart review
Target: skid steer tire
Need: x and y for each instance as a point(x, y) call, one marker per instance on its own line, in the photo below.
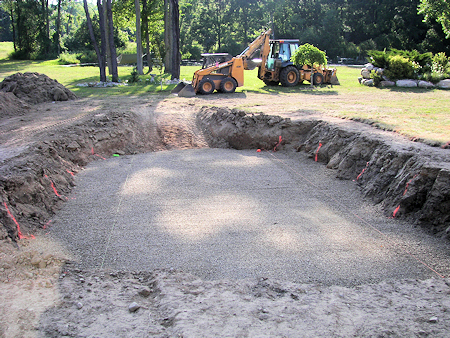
point(289, 76)
point(228, 85)
point(206, 86)
point(317, 79)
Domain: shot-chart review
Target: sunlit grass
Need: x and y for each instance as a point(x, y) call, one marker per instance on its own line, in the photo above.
point(416, 113)
point(6, 48)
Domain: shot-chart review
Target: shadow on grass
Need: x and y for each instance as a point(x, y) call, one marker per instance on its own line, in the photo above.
point(14, 65)
point(300, 89)
point(80, 88)
point(416, 90)
point(216, 95)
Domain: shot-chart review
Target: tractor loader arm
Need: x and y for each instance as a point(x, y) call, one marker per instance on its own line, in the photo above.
point(262, 42)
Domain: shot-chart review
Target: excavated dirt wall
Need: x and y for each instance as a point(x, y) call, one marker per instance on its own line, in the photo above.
point(410, 179)
point(34, 184)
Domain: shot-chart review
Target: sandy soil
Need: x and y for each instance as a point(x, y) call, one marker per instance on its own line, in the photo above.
point(41, 295)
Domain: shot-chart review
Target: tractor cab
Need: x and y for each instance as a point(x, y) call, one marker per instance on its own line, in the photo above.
point(280, 53)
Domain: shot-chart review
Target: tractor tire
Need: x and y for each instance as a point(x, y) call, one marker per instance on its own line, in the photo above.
point(317, 79)
point(289, 76)
point(228, 85)
point(206, 86)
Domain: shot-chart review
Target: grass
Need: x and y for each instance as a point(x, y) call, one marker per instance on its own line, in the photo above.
point(6, 48)
point(416, 113)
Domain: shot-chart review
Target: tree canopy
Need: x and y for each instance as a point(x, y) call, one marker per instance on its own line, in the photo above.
point(438, 10)
point(344, 28)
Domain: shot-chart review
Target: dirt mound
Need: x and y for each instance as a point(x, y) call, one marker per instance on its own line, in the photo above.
point(35, 88)
point(10, 105)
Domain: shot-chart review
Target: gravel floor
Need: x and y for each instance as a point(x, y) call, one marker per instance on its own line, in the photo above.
point(221, 213)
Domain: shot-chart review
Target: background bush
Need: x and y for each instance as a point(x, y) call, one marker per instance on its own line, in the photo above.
point(404, 64)
point(68, 59)
point(399, 67)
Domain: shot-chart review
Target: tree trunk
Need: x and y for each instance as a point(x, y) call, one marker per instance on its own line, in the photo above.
point(168, 36)
point(101, 21)
point(112, 47)
point(47, 29)
point(58, 29)
point(18, 24)
point(94, 42)
point(107, 42)
point(147, 35)
point(176, 55)
point(245, 24)
point(13, 28)
point(139, 65)
point(172, 38)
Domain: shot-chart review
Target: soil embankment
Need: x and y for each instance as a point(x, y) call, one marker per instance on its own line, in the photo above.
point(409, 179)
point(42, 146)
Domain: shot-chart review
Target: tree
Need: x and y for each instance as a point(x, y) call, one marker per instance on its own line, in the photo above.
point(57, 37)
point(100, 59)
point(172, 38)
point(309, 55)
point(106, 29)
point(151, 16)
point(140, 67)
point(7, 29)
point(438, 10)
point(111, 45)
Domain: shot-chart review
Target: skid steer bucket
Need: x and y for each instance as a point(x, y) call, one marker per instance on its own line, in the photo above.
point(184, 90)
point(334, 80)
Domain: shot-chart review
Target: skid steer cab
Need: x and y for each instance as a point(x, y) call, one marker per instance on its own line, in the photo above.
point(220, 71)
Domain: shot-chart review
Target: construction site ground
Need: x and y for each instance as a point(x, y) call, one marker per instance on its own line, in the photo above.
point(170, 237)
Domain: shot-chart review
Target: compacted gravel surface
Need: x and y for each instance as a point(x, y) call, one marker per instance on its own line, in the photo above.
point(221, 213)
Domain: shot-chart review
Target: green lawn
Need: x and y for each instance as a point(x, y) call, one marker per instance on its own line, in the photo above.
point(419, 113)
point(5, 49)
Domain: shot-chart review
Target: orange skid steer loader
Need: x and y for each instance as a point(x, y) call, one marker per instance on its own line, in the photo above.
point(222, 72)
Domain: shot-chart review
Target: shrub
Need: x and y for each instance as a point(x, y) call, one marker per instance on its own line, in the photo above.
point(421, 62)
point(376, 77)
point(414, 56)
point(378, 58)
point(399, 67)
point(19, 55)
point(88, 56)
point(134, 76)
point(433, 77)
point(309, 55)
point(440, 63)
point(68, 58)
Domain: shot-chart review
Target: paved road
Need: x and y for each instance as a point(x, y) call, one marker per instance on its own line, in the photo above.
point(221, 213)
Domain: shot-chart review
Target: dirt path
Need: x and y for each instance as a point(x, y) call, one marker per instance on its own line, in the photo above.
point(38, 301)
